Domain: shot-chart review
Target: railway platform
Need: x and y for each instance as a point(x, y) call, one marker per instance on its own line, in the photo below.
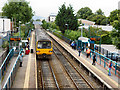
point(26, 75)
point(101, 73)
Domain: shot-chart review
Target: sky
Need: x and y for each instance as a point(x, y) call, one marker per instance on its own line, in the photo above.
point(45, 7)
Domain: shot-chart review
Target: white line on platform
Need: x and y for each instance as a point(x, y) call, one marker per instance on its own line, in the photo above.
point(27, 75)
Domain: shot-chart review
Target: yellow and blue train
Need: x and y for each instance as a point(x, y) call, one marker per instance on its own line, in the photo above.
point(44, 46)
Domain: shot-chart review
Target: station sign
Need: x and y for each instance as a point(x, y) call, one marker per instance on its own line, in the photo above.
point(14, 39)
point(95, 39)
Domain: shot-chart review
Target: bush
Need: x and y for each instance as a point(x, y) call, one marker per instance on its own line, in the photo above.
point(5, 44)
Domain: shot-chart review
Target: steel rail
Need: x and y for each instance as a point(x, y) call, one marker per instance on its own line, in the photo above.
point(74, 69)
point(57, 85)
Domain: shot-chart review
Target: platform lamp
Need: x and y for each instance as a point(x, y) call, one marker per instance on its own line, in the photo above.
point(19, 29)
point(100, 41)
point(3, 25)
point(81, 30)
point(67, 27)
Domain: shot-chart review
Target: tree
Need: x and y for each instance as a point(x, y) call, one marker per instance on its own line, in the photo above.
point(0, 13)
point(84, 12)
point(65, 19)
point(98, 19)
point(99, 12)
point(21, 11)
point(113, 16)
point(116, 33)
point(45, 25)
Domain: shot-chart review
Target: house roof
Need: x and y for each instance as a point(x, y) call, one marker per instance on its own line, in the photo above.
point(86, 21)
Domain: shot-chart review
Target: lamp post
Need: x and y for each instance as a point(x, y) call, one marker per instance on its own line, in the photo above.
point(81, 30)
point(19, 29)
point(3, 25)
point(67, 26)
point(100, 42)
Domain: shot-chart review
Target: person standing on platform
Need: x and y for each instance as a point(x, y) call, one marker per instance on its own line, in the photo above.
point(72, 44)
point(110, 66)
point(94, 59)
point(79, 51)
point(88, 52)
point(20, 59)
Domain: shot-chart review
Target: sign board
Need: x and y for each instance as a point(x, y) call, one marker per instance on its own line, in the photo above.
point(14, 39)
point(95, 39)
point(24, 40)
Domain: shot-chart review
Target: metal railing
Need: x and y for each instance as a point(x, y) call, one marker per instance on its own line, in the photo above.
point(5, 63)
point(29, 34)
point(12, 73)
point(104, 61)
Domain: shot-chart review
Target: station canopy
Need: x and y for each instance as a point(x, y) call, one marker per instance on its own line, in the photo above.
point(83, 39)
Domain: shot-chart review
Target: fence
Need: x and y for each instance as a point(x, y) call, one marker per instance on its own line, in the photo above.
point(5, 63)
point(104, 62)
point(106, 52)
point(12, 74)
point(3, 54)
point(29, 34)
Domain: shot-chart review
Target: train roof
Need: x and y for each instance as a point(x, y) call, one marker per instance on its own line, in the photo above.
point(44, 39)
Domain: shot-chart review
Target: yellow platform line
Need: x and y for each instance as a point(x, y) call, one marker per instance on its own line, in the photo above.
point(27, 75)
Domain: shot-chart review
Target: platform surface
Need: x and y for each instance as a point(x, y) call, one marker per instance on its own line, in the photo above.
point(26, 75)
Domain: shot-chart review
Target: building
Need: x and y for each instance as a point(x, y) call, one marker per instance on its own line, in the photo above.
point(52, 17)
point(86, 22)
point(5, 25)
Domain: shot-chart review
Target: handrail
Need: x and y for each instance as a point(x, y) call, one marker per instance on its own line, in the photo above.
point(9, 81)
point(6, 59)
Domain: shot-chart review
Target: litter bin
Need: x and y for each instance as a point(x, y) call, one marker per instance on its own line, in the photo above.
point(31, 50)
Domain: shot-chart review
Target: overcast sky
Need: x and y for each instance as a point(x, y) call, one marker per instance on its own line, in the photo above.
point(45, 7)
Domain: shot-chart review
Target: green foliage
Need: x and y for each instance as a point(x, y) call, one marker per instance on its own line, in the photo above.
point(73, 35)
point(113, 16)
point(116, 35)
point(38, 20)
point(5, 44)
point(84, 12)
point(116, 25)
point(99, 12)
point(20, 11)
point(0, 13)
point(66, 19)
point(98, 19)
point(23, 28)
point(45, 25)
point(106, 39)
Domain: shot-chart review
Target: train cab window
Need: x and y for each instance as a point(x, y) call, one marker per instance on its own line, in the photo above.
point(44, 44)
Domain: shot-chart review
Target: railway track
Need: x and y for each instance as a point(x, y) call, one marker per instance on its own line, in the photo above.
point(75, 76)
point(47, 79)
point(69, 62)
point(53, 78)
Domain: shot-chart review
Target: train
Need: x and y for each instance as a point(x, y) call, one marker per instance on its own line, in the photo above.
point(44, 46)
